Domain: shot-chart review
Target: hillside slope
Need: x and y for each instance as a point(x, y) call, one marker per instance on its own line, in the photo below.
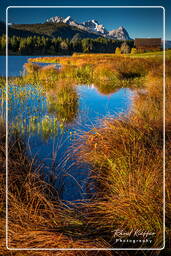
point(49, 30)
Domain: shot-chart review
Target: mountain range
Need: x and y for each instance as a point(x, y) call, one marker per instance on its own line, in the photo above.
point(93, 26)
point(67, 28)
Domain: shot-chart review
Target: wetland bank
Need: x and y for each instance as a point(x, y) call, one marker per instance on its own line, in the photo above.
point(86, 150)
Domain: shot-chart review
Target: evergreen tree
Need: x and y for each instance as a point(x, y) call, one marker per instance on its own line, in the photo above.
point(87, 45)
point(3, 43)
point(14, 43)
point(23, 46)
point(64, 47)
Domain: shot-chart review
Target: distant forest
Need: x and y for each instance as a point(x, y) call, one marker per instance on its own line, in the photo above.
point(54, 39)
point(41, 45)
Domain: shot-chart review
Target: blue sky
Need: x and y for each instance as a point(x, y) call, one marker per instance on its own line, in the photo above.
point(140, 22)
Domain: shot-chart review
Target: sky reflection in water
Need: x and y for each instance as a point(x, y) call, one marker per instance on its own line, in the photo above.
point(48, 137)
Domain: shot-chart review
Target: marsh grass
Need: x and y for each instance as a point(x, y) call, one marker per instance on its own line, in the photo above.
point(103, 70)
point(36, 216)
point(126, 155)
point(126, 176)
point(63, 102)
point(103, 75)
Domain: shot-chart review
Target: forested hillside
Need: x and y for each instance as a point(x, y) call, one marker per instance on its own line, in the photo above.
point(46, 29)
point(56, 39)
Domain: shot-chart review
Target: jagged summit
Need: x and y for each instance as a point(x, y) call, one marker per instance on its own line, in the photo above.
point(120, 33)
point(68, 19)
point(56, 19)
point(93, 26)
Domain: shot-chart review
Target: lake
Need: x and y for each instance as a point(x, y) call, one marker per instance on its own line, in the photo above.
point(50, 132)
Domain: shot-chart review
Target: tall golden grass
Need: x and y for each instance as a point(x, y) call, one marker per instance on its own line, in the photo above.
point(63, 101)
point(36, 216)
point(106, 71)
point(126, 155)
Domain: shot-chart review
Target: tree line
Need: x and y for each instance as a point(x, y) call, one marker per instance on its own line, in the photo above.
point(33, 45)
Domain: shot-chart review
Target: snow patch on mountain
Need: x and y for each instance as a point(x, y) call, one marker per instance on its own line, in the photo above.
point(94, 26)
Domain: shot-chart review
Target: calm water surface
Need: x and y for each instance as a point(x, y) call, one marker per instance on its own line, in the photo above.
point(47, 138)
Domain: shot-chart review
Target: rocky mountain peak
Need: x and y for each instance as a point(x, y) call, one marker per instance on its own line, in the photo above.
point(55, 19)
point(120, 33)
point(93, 26)
point(67, 19)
